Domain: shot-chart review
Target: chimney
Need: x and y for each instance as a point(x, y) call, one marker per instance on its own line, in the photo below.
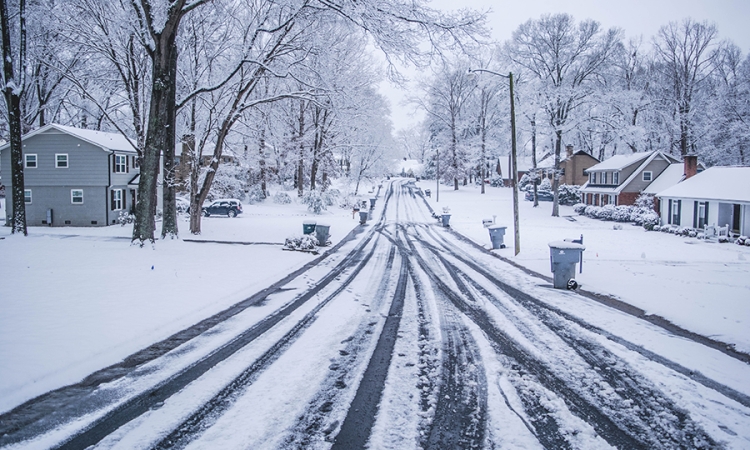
point(569, 150)
point(691, 165)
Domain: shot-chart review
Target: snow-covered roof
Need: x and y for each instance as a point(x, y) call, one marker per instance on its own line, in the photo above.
point(107, 141)
point(730, 184)
point(405, 165)
point(673, 174)
point(619, 162)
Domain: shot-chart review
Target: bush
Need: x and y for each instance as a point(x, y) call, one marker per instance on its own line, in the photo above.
point(282, 198)
point(546, 185)
point(314, 201)
point(621, 213)
point(255, 194)
point(592, 211)
point(331, 196)
point(650, 221)
point(524, 181)
point(607, 212)
point(580, 208)
point(568, 194)
point(306, 242)
point(125, 218)
point(497, 181)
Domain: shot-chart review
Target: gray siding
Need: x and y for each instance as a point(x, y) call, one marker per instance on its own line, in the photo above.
point(90, 168)
point(656, 167)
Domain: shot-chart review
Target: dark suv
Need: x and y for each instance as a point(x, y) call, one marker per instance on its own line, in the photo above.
point(224, 207)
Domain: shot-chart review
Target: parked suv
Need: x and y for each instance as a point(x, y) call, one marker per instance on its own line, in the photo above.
point(223, 207)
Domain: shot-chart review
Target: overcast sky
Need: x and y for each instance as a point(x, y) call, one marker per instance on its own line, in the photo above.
point(635, 17)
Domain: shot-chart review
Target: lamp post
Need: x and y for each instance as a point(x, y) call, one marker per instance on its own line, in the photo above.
point(514, 165)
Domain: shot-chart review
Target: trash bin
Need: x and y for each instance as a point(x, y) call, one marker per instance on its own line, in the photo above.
point(563, 259)
point(427, 192)
point(363, 217)
point(321, 232)
point(372, 203)
point(308, 227)
point(497, 234)
point(446, 219)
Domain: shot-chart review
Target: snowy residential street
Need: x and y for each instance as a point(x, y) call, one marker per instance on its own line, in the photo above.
point(404, 335)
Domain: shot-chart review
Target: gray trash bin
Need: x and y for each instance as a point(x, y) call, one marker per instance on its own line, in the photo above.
point(321, 232)
point(497, 234)
point(308, 227)
point(446, 218)
point(363, 217)
point(563, 259)
point(372, 203)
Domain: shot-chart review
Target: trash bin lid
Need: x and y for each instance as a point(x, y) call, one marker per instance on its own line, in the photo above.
point(496, 227)
point(566, 245)
point(324, 225)
point(309, 222)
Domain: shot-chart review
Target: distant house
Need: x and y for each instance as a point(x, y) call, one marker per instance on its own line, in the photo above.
point(620, 179)
point(73, 176)
point(573, 166)
point(717, 196)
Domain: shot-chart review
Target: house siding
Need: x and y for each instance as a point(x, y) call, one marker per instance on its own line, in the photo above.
point(656, 167)
point(90, 168)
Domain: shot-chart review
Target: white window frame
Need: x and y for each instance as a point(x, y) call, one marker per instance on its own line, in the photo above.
point(593, 178)
point(615, 177)
point(73, 196)
point(57, 161)
point(650, 175)
point(26, 161)
point(117, 199)
point(25, 191)
point(121, 167)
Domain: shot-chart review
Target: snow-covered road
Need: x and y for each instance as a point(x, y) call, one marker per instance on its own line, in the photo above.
point(407, 337)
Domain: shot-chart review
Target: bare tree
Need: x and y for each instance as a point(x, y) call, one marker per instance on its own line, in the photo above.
point(685, 51)
point(567, 58)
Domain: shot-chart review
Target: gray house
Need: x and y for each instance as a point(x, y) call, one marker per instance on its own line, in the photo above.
point(620, 179)
point(74, 177)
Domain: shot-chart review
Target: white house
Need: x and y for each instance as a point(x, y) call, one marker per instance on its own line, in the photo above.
point(717, 196)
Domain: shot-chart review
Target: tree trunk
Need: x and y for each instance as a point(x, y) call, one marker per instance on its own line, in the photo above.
point(482, 168)
point(12, 91)
point(533, 160)
point(556, 175)
point(301, 161)
point(169, 219)
point(262, 163)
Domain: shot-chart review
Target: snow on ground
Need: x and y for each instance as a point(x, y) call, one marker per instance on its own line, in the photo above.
point(701, 286)
point(75, 300)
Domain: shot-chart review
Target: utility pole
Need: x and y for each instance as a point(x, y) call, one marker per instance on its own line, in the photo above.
point(514, 164)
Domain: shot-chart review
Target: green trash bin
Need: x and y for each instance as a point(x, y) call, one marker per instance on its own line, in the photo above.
point(308, 227)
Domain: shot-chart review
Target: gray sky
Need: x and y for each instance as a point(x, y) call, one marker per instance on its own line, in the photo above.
point(635, 17)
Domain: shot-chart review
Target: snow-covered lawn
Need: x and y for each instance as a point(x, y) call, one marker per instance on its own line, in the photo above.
point(699, 285)
point(74, 300)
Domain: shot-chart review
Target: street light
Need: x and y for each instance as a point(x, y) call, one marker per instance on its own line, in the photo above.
point(514, 165)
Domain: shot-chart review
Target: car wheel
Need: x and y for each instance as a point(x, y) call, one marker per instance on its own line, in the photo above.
point(232, 213)
point(206, 213)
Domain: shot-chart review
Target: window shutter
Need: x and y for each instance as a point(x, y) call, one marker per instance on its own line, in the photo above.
point(112, 200)
point(695, 214)
point(669, 212)
point(679, 211)
point(705, 214)
point(127, 164)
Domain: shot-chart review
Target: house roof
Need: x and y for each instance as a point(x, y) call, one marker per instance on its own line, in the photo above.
point(673, 174)
point(642, 163)
point(107, 141)
point(619, 162)
point(731, 184)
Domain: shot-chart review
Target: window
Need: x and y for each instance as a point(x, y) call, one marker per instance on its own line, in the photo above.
point(61, 160)
point(27, 195)
point(121, 163)
point(116, 199)
point(76, 196)
point(674, 211)
point(612, 200)
point(615, 177)
point(700, 214)
point(592, 177)
point(647, 175)
point(30, 161)
point(604, 177)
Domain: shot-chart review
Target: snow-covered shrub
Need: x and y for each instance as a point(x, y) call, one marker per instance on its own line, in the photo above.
point(607, 212)
point(723, 239)
point(255, 194)
point(305, 242)
point(497, 181)
point(693, 233)
point(125, 218)
point(282, 198)
point(568, 194)
point(741, 240)
point(649, 221)
point(621, 213)
point(331, 196)
point(524, 181)
point(546, 185)
point(314, 201)
point(592, 211)
point(645, 201)
point(230, 182)
point(656, 228)
point(580, 208)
